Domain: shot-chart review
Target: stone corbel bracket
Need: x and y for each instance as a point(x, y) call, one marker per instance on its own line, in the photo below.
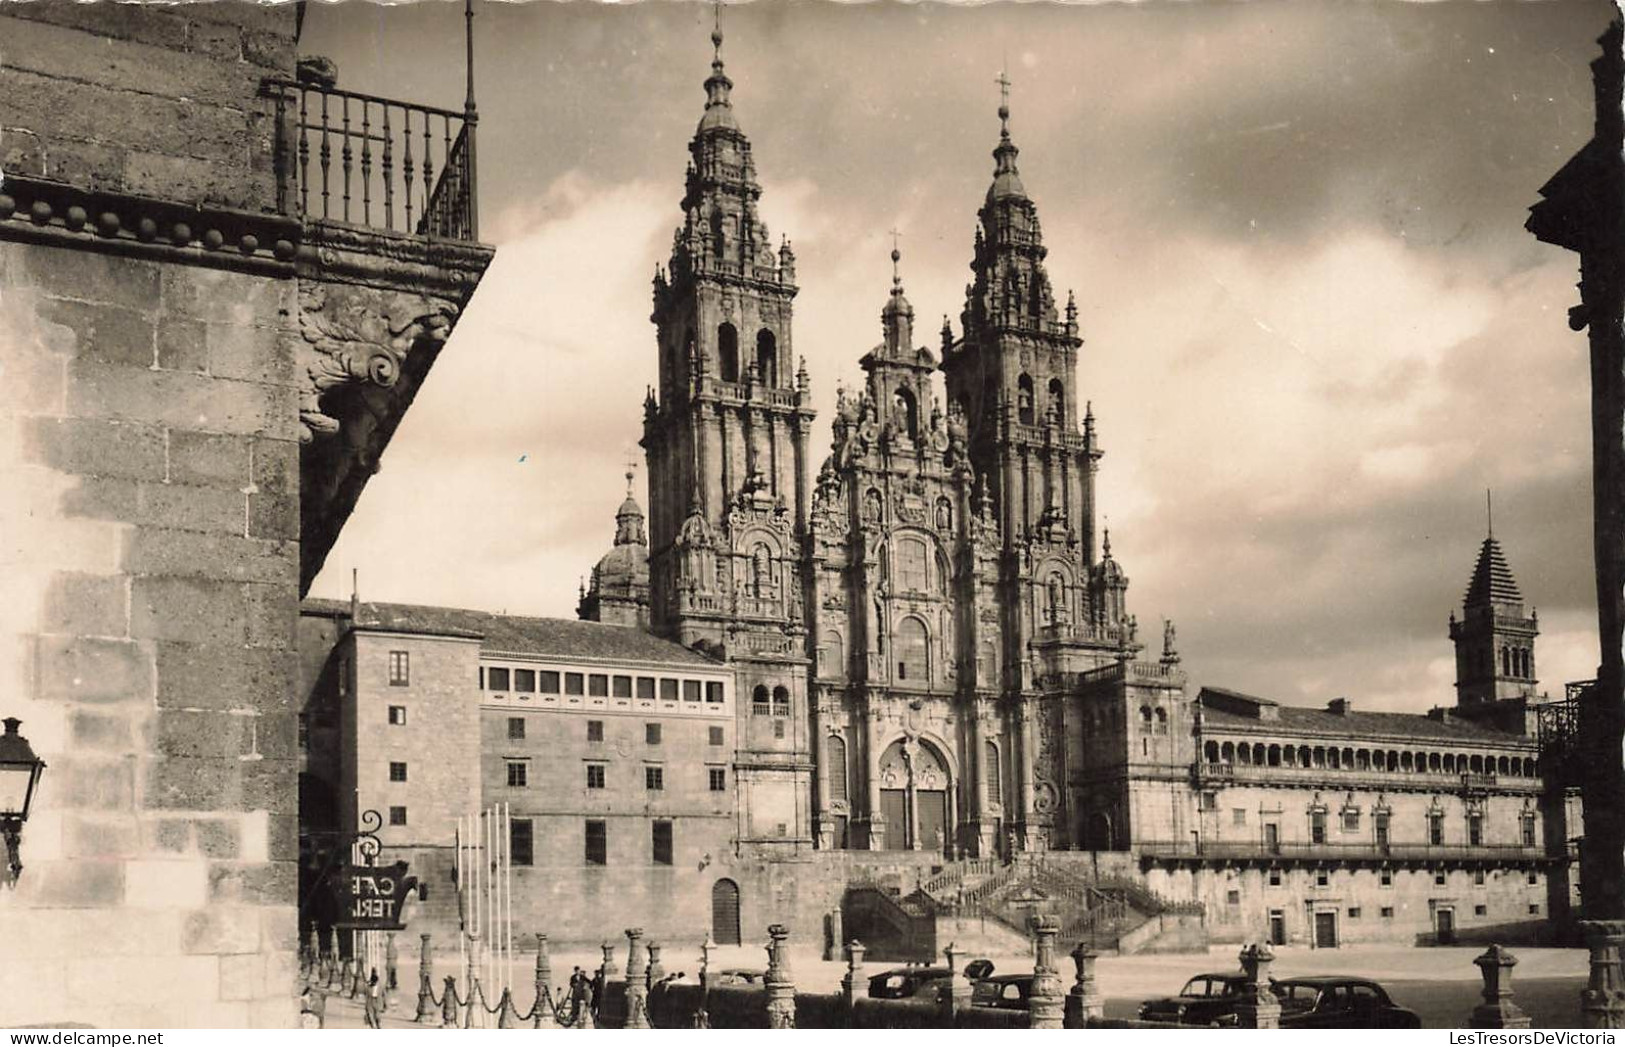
point(375, 310)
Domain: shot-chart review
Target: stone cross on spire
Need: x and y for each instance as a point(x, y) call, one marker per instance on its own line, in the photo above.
point(896, 257)
point(1003, 80)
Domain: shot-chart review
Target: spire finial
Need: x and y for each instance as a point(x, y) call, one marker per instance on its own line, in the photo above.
point(1003, 80)
point(1106, 542)
point(631, 471)
point(1489, 514)
point(896, 257)
point(716, 33)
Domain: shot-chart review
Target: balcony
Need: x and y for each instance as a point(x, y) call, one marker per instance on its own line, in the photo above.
point(1259, 852)
point(385, 195)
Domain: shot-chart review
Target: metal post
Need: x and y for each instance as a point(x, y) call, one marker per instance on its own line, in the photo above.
point(1045, 1007)
point(471, 119)
point(1497, 1011)
point(781, 991)
point(1084, 1001)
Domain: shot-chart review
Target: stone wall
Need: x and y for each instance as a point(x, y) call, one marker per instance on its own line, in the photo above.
point(148, 433)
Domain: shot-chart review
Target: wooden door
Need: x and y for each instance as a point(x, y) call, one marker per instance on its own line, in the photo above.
point(725, 912)
point(1447, 926)
point(894, 805)
point(1277, 927)
point(1325, 930)
point(933, 805)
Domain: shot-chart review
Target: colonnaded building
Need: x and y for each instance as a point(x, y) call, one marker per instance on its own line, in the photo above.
point(901, 696)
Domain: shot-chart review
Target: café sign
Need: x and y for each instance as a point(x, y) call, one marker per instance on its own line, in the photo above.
point(373, 897)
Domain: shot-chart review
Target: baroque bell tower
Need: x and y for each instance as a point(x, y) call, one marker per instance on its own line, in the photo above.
point(726, 440)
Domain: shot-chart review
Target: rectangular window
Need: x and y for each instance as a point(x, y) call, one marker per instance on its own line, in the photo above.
point(1317, 827)
point(496, 679)
point(547, 681)
point(597, 843)
point(1475, 830)
point(574, 683)
point(595, 776)
point(518, 774)
point(1238, 816)
point(1351, 821)
point(778, 728)
point(1354, 912)
point(1385, 877)
point(595, 730)
point(400, 669)
point(654, 779)
point(397, 716)
point(646, 688)
point(1478, 877)
point(397, 772)
point(668, 690)
point(524, 679)
point(482, 677)
point(1481, 910)
point(1232, 898)
point(397, 816)
point(521, 842)
point(1436, 829)
point(1534, 877)
point(621, 686)
point(598, 685)
point(718, 778)
point(1387, 912)
point(713, 692)
point(691, 690)
point(662, 843)
point(1322, 878)
point(1382, 829)
point(1534, 908)
point(714, 735)
point(1529, 830)
point(651, 734)
point(1438, 878)
point(516, 728)
point(1275, 877)
point(1210, 801)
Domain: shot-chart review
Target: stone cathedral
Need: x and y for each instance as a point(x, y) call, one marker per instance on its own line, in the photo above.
point(901, 617)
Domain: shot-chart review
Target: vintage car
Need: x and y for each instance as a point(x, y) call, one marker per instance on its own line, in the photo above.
point(739, 976)
point(1337, 1002)
point(902, 983)
point(1205, 999)
point(1005, 992)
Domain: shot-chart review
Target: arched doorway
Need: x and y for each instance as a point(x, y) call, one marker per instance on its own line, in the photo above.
point(916, 794)
point(725, 912)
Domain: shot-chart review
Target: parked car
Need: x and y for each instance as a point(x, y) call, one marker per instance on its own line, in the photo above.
point(1005, 992)
point(1205, 999)
point(1338, 1002)
point(902, 983)
point(739, 976)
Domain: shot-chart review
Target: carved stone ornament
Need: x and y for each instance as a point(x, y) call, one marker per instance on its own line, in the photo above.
point(358, 336)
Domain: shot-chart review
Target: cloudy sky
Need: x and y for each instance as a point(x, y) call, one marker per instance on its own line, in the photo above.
point(1315, 330)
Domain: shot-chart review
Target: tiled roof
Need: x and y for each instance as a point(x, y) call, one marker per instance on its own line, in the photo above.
point(1492, 579)
point(1292, 719)
point(515, 634)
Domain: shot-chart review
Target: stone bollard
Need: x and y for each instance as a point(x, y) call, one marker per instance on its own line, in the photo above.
point(637, 987)
point(1044, 1003)
point(1602, 1002)
point(781, 991)
point(542, 1016)
point(957, 993)
point(448, 1004)
point(392, 958)
point(608, 968)
point(656, 971)
point(425, 980)
point(1258, 1009)
point(852, 986)
point(1084, 1001)
point(505, 1009)
point(1497, 1011)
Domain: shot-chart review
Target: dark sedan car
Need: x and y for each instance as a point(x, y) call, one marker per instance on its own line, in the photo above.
point(1005, 992)
point(902, 983)
point(1335, 1002)
point(1205, 999)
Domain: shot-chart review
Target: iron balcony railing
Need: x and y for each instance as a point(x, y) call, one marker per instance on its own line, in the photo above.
point(344, 156)
point(1335, 851)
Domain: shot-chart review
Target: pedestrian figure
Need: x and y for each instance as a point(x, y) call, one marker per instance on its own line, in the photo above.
point(373, 1003)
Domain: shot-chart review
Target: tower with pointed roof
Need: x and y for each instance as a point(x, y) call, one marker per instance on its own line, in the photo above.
point(1494, 638)
point(725, 433)
point(619, 591)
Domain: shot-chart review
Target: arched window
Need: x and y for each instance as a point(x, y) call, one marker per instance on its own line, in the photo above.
point(1145, 718)
point(728, 352)
point(1057, 399)
point(1024, 400)
point(913, 650)
point(1227, 752)
point(781, 701)
point(1274, 753)
point(1210, 752)
point(767, 357)
point(912, 572)
point(905, 413)
point(835, 762)
point(1435, 764)
point(831, 654)
point(759, 703)
point(1162, 720)
point(990, 772)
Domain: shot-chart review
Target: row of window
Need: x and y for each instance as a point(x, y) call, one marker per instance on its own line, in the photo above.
point(1387, 911)
point(522, 840)
point(1259, 754)
point(654, 776)
point(764, 704)
point(1349, 818)
point(1385, 877)
point(600, 685)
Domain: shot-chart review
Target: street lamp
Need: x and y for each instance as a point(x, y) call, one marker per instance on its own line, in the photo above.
point(19, 777)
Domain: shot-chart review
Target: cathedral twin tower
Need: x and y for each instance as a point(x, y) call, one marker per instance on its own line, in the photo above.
point(906, 624)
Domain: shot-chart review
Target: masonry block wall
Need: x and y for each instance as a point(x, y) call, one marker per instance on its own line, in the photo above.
point(149, 451)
